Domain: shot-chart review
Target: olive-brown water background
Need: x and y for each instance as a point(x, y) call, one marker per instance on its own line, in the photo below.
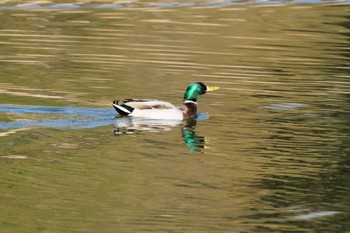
point(270, 153)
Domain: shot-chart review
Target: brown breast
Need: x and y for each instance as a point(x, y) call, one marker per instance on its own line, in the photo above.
point(189, 109)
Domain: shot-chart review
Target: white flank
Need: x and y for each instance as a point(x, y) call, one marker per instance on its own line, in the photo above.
point(165, 114)
point(152, 109)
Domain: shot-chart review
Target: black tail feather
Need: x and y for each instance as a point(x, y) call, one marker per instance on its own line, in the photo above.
point(122, 109)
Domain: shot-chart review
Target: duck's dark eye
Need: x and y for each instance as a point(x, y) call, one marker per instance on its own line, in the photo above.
point(202, 89)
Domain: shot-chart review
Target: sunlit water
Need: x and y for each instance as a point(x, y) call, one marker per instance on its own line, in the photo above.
point(269, 151)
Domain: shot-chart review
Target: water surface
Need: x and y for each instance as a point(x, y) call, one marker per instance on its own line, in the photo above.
point(269, 152)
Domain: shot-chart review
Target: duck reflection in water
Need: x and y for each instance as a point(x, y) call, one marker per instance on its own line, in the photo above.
point(195, 142)
point(131, 125)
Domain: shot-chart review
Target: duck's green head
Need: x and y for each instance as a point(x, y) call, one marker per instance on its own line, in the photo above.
point(196, 89)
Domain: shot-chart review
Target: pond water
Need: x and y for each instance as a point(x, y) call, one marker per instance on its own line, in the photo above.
point(270, 151)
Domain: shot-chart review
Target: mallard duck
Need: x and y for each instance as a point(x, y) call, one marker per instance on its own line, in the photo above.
point(156, 109)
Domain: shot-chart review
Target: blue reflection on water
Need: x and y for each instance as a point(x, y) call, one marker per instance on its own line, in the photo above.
point(72, 117)
point(62, 117)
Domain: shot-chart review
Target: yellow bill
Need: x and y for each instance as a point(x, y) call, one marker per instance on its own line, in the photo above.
point(212, 88)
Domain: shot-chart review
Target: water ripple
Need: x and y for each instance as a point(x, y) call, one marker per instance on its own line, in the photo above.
point(91, 5)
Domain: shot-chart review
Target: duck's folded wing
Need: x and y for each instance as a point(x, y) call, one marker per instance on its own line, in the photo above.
point(127, 106)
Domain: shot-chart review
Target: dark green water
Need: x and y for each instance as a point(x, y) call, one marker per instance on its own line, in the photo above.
point(269, 153)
